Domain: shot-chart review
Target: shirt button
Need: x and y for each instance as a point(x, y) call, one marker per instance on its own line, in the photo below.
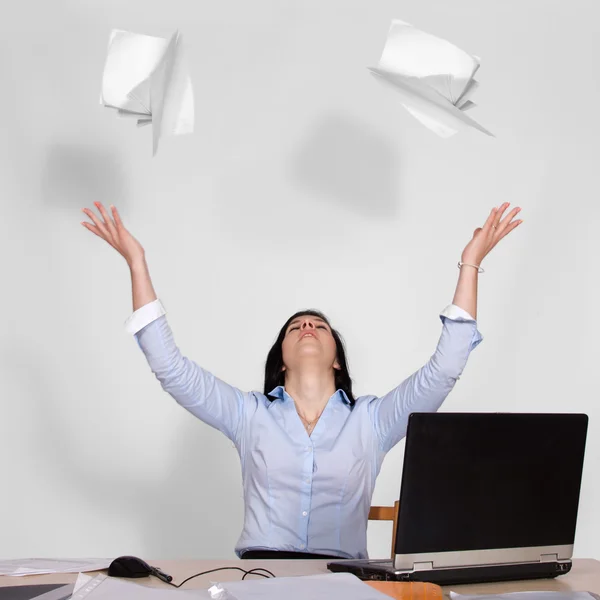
point(307, 480)
point(302, 546)
point(308, 448)
point(304, 513)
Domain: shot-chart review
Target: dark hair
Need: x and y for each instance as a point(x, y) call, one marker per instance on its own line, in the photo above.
point(275, 376)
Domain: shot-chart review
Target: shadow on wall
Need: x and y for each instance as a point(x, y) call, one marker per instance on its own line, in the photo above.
point(75, 175)
point(350, 163)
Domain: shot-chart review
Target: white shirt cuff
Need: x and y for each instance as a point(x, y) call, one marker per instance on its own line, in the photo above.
point(144, 316)
point(456, 313)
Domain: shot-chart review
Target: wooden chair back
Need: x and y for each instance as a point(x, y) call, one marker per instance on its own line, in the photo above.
point(386, 513)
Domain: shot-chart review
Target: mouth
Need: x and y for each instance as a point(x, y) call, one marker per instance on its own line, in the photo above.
point(307, 334)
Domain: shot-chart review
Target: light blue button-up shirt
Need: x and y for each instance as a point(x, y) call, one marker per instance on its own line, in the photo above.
point(307, 493)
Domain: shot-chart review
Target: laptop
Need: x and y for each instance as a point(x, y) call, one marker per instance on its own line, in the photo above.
point(484, 497)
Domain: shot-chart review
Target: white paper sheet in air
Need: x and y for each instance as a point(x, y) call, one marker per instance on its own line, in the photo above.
point(527, 596)
point(146, 78)
point(40, 566)
point(434, 78)
point(334, 586)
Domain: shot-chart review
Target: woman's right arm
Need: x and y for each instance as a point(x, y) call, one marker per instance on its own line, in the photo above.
point(213, 401)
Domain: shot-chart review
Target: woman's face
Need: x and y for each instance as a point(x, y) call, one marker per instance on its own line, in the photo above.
point(309, 338)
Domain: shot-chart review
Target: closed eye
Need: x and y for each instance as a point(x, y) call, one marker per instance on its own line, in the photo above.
point(317, 326)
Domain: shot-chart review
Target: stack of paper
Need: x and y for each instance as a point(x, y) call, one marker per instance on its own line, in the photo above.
point(41, 566)
point(146, 78)
point(434, 78)
point(312, 587)
point(102, 587)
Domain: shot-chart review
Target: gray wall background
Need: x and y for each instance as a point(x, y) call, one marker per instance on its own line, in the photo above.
point(305, 184)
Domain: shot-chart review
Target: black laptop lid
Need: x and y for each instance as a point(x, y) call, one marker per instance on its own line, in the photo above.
point(476, 481)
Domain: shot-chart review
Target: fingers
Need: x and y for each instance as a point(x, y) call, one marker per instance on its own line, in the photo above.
point(501, 210)
point(495, 222)
point(108, 222)
point(103, 228)
point(501, 228)
point(117, 217)
point(509, 228)
point(507, 225)
point(498, 226)
point(100, 226)
point(488, 226)
point(510, 216)
point(491, 224)
point(498, 217)
point(97, 232)
point(92, 228)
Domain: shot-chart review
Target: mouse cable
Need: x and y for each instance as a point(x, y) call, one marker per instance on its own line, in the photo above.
point(255, 572)
point(246, 572)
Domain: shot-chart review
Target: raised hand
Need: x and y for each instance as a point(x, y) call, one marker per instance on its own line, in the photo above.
point(112, 231)
point(485, 238)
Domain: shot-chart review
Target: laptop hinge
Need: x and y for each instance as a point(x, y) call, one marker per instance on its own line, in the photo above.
point(549, 558)
point(422, 566)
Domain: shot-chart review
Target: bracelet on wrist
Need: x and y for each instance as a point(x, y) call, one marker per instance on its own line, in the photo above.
point(462, 264)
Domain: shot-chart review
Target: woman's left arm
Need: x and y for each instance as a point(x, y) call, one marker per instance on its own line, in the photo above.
point(425, 390)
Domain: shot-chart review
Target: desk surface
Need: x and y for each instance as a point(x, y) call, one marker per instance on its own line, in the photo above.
point(584, 576)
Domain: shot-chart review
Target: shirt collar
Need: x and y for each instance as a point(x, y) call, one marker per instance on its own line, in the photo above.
point(280, 393)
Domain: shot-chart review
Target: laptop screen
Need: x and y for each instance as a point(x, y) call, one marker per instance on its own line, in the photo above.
point(486, 480)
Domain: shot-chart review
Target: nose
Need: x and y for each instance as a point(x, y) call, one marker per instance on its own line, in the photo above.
point(307, 324)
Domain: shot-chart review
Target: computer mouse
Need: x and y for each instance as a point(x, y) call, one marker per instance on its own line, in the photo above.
point(129, 566)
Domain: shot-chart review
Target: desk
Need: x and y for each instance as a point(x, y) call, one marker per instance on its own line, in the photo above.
point(584, 576)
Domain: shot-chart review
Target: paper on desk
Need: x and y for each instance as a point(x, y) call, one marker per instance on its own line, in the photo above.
point(434, 78)
point(82, 579)
point(102, 587)
point(528, 596)
point(40, 566)
point(146, 78)
point(314, 587)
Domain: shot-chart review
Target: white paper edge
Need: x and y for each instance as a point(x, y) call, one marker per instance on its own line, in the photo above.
point(410, 86)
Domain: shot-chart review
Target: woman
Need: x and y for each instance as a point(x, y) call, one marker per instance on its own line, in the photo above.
point(310, 452)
